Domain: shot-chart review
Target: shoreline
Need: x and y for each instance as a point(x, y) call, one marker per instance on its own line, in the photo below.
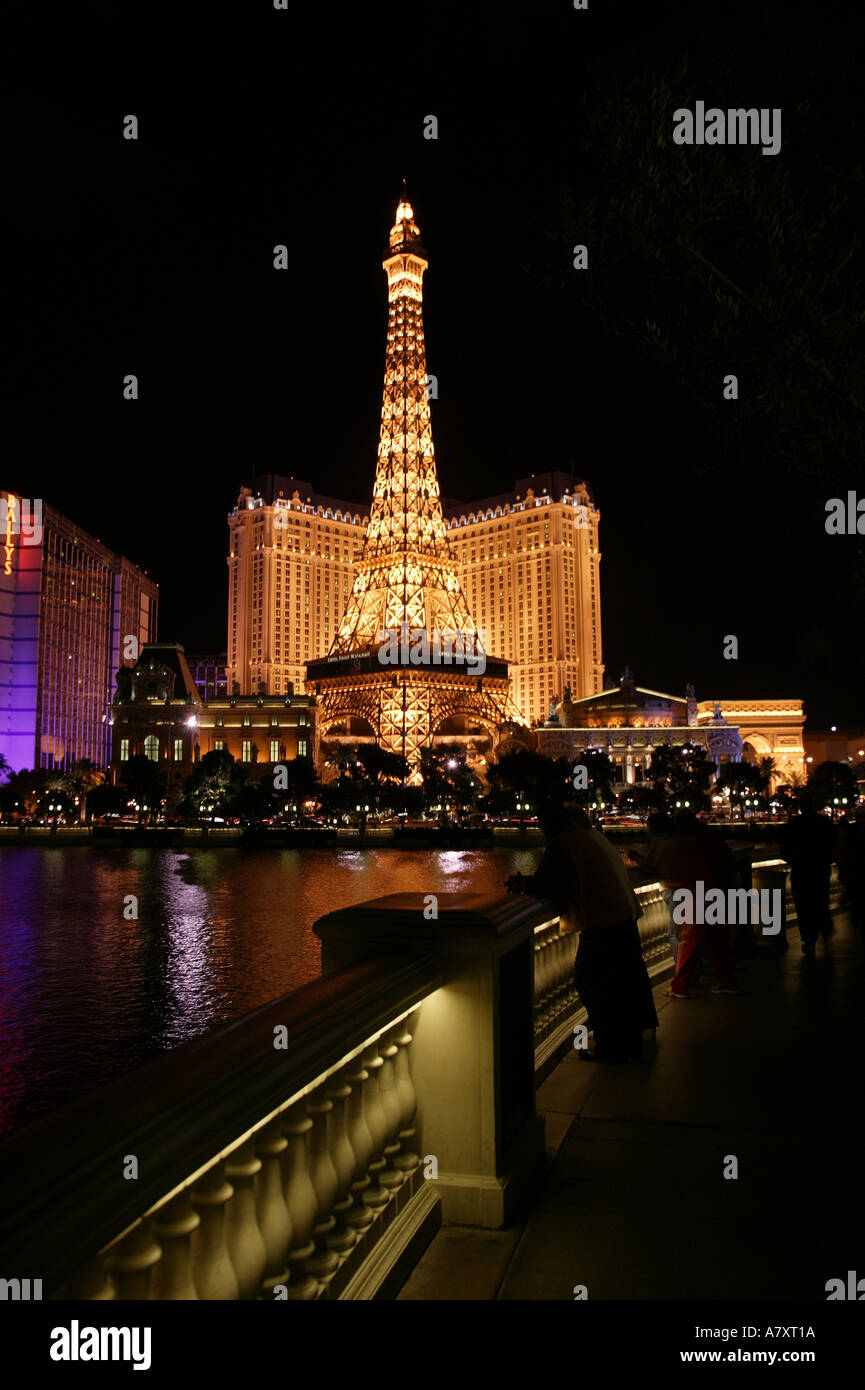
point(493, 837)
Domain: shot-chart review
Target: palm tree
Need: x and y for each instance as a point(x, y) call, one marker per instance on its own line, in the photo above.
point(768, 772)
point(79, 780)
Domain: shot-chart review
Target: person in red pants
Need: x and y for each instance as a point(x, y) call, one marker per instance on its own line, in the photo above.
point(690, 857)
point(692, 937)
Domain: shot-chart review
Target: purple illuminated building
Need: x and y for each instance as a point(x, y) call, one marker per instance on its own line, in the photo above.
point(71, 613)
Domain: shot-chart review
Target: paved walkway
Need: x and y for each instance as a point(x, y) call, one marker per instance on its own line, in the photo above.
point(635, 1205)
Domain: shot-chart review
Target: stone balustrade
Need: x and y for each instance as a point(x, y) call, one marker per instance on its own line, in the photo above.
point(276, 1158)
point(311, 1148)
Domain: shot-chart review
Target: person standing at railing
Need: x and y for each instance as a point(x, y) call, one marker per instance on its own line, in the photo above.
point(807, 842)
point(658, 826)
point(851, 865)
point(692, 859)
point(583, 875)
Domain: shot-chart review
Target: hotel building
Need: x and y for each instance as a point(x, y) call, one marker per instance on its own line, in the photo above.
point(291, 566)
point(71, 613)
point(209, 674)
point(528, 562)
point(159, 714)
point(529, 565)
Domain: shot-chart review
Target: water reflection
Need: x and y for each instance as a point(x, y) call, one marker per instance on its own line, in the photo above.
point(87, 993)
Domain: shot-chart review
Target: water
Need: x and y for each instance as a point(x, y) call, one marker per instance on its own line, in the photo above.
point(86, 994)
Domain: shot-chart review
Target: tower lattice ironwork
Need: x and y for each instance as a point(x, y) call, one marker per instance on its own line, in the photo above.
point(407, 655)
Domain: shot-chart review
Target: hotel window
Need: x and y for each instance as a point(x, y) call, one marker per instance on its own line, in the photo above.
point(301, 748)
point(274, 750)
point(219, 745)
point(246, 750)
point(124, 750)
point(178, 750)
point(246, 721)
point(151, 748)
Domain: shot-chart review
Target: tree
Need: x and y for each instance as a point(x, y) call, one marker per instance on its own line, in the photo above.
point(105, 800)
point(832, 787)
point(21, 793)
point(741, 782)
point(301, 782)
point(524, 781)
point(683, 772)
point(709, 265)
point(212, 782)
point(768, 772)
point(79, 780)
point(599, 779)
point(701, 263)
point(447, 778)
point(145, 784)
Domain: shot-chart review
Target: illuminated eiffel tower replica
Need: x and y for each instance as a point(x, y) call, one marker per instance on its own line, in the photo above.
point(407, 658)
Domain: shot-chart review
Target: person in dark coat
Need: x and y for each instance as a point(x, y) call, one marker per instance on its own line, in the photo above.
point(851, 865)
point(583, 875)
point(807, 842)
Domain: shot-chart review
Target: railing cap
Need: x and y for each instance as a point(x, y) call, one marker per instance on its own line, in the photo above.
point(405, 918)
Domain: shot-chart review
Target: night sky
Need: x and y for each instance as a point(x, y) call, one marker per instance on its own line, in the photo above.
point(259, 127)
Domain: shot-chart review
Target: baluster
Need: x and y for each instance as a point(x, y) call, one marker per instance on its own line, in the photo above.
point(212, 1269)
point(375, 1195)
point(174, 1224)
point(325, 1262)
point(131, 1260)
point(406, 1160)
point(243, 1236)
point(300, 1200)
point(391, 1177)
point(542, 966)
point(273, 1217)
point(536, 963)
point(573, 940)
point(91, 1282)
point(360, 1216)
point(561, 975)
point(338, 1092)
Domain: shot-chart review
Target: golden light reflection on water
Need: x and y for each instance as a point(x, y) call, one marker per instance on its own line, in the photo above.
point(87, 993)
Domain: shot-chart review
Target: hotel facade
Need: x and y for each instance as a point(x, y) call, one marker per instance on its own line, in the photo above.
point(528, 562)
point(158, 713)
point(71, 613)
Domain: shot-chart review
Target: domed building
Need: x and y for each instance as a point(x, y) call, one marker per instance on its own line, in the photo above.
point(628, 721)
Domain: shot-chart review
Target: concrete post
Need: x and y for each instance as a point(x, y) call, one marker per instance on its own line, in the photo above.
point(473, 1051)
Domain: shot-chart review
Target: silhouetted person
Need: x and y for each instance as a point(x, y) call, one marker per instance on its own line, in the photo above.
point(689, 857)
point(658, 825)
point(807, 842)
point(583, 875)
point(851, 865)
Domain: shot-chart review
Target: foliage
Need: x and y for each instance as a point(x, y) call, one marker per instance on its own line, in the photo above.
point(145, 784)
point(683, 773)
point(831, 780)
point(703, 263)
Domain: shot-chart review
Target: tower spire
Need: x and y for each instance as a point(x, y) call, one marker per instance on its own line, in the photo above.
point(406, 573)
point(407, 657)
